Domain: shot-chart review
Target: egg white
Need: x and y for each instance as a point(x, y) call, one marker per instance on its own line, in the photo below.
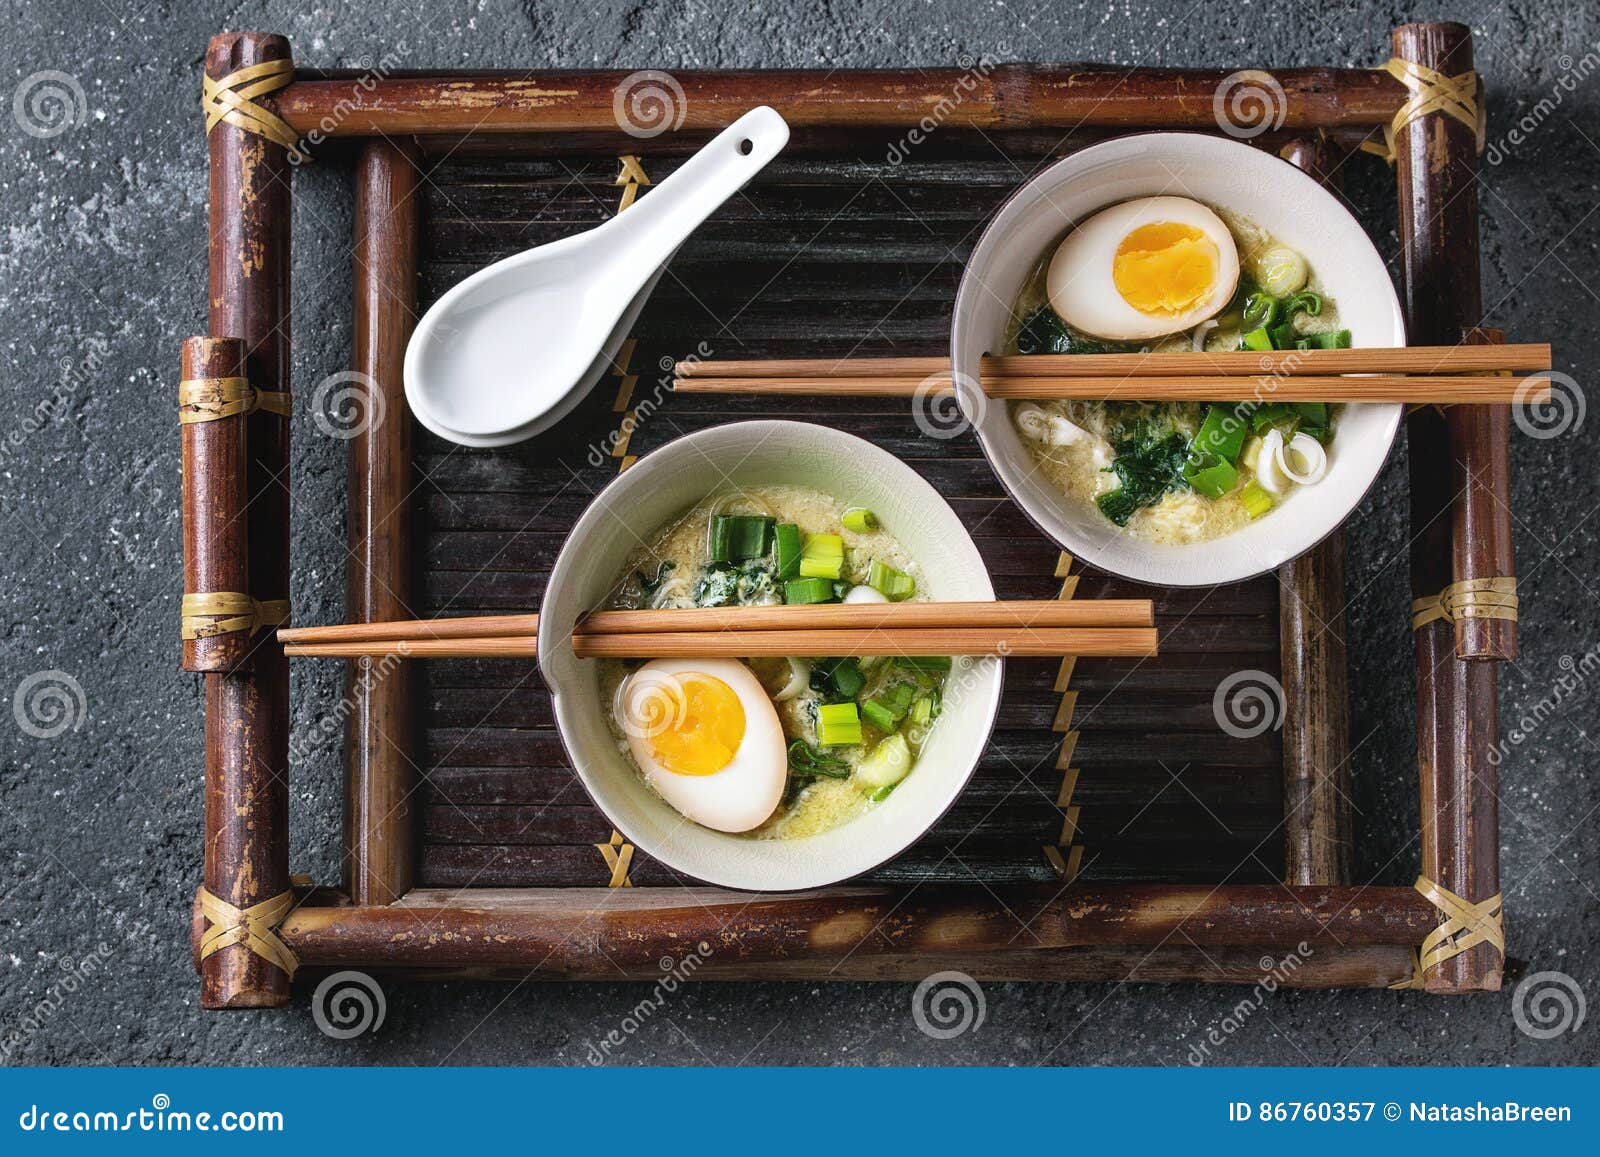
point(1084, 294)
point(744, 793)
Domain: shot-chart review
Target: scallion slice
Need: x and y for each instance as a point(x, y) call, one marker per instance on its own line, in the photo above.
point(859, 519)
point(804, 591)
point(1256, 500)
point(878, 715)
point(895, 585)
point(1256, 339)
point(787, 537)
point(838, 725)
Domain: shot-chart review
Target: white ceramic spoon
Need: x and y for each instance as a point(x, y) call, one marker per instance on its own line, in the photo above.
point(516, 340)
point(566, 405)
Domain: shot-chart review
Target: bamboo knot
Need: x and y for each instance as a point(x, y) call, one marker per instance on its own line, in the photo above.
point(1483, 598)
point(1459, 96)
point(208, 399)
point(1466, 926)
point(223, 612)
point(255, 927)
point(232, 100)
point(618, 855)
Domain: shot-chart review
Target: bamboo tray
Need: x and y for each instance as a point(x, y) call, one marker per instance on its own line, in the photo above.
point(471, 849)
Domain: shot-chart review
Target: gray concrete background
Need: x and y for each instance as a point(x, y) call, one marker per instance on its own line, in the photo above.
point(102, 272)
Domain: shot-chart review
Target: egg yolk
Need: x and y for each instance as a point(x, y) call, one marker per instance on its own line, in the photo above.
point(1165, 267)
point(705, 730)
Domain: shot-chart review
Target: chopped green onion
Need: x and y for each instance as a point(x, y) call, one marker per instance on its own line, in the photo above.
point(823, 546)
point(824, 568)
point(838, 725)
point(1221, 434)
point(735, 537)
point(887, 765)
point(1260, 310)
point(1256, 339)
point(807, 760)
point(859, 519)
point(721, 538)
point(922, 711)
point(1313, 413)
point(822, 556)
point(846, 678)
point(924, 664)
point(878, 715)
point(1306, 301)
point(803, 591)
point(1338, 339)
point(1256, 500)
point(787, 535)
point(885, 710)
point(879, 794)
point(894, 585)
point(1214, 481)
point(1270, 414)
point(898, 698)
point(1284, 336)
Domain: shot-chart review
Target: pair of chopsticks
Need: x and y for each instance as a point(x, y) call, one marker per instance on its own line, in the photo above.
point(1425, 375)
point(1046, 627)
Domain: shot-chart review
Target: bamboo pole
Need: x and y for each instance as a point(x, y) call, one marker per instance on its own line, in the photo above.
point(993, 97)
point(1457, 705)
point(577, 931)
point(215, 498)
point(379, 821)
point(247, 724)
point(1318, 834)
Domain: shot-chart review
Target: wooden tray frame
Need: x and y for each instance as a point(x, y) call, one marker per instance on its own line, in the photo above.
point(1362, 936)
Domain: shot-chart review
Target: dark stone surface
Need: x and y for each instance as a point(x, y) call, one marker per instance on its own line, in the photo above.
point(102, 273)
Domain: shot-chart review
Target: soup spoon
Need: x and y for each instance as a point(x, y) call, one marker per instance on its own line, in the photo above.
point(497, 355)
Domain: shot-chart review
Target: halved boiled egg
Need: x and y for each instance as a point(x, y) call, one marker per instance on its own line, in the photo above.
point(1144, 269)
point(707, 737)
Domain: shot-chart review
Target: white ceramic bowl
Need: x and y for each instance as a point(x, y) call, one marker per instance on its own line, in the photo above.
point(629, 512)
point(1280, 198)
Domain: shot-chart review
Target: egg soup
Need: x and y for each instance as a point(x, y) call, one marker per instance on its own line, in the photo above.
point(776, 748)
point(1164, 274)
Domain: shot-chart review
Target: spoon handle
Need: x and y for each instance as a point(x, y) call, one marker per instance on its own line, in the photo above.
point(655, 225)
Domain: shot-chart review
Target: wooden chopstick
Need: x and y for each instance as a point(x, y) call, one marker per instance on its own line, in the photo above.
point(824, 616)
point(1462, 359)
point(908, 641)
point(1419, 389)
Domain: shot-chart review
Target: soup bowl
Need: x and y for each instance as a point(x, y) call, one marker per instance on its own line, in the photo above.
point(1297, 211)
point(629, 512)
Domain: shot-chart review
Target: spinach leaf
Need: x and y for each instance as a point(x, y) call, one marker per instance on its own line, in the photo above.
point(1045, 333)
point(1149, 462)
